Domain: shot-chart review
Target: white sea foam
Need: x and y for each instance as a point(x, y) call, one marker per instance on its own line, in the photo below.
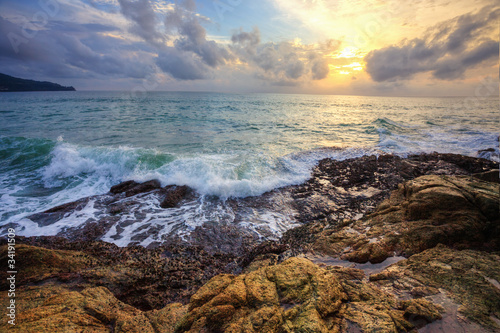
point(73, 220)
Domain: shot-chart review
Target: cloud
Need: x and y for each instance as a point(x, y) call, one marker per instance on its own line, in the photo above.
point(181, 65)
point(129, 40)
point(145, 21)
point(319, 69)
point(283, 63)
point(79, 55)
point(447, 51)
point(455, 68)
point(192, 56)
point(248, 40)
point(54, 52)
point(85, 48)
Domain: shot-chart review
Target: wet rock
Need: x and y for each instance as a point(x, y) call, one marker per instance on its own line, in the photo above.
point(490, 153)
point(56, 213)
point(123, 187)
point(143, 187)
point(91, 231)
point(419, 215)
point(262, 249)
point(173, 195)
point(188, 285)
point(122, 207)
point(144, 278)
point(131, 188)
point(337, 191)
point(222, 238)
point(469, 278)
point(354, 187)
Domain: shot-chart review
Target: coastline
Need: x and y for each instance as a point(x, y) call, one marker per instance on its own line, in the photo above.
point(360, 210)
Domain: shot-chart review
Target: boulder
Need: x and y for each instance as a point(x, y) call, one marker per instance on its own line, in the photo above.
point(173, 195)
point(131, 188)
point(295, 296)
point(55, 309)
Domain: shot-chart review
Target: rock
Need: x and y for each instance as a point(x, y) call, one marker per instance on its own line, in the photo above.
point(421, 312)
point(132, 188)
point(295, 296)
point(38, 264)
point(337, 191)
point(91, 231)
point(344, 189)
point(217, 237)
point(143, 188)
point(419, 215)
point(490, 154)
point(53, 309)
point(164, 320)
point(146, 279)
point(488, 176)
point(123, 187)
point(368, 308)
point(469, 278)
point(173, 195)
point(56, 213)
point(79, 284)
point(262, 249)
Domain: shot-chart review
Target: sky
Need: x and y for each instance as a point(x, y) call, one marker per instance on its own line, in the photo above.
point(357, 47)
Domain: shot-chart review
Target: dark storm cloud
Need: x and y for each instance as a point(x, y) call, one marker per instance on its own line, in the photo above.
point(23, 44)
point(281, 63)
point(194, 40)
point(447, 51)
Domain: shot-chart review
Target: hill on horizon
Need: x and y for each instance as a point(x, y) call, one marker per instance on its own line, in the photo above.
point(9, 83)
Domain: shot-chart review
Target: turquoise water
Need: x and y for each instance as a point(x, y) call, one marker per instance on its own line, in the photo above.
point(60, 146)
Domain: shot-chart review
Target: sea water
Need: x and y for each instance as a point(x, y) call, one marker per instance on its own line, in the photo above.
point(57, 147)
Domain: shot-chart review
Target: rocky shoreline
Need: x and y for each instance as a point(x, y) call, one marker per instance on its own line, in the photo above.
point(385, 244)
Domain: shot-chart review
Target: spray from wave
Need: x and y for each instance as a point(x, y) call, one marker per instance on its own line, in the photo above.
point(54, 173)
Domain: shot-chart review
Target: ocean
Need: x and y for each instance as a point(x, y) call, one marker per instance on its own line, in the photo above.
point(57, 147)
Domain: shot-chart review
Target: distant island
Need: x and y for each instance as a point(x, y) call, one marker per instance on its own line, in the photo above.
point(9, 83)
